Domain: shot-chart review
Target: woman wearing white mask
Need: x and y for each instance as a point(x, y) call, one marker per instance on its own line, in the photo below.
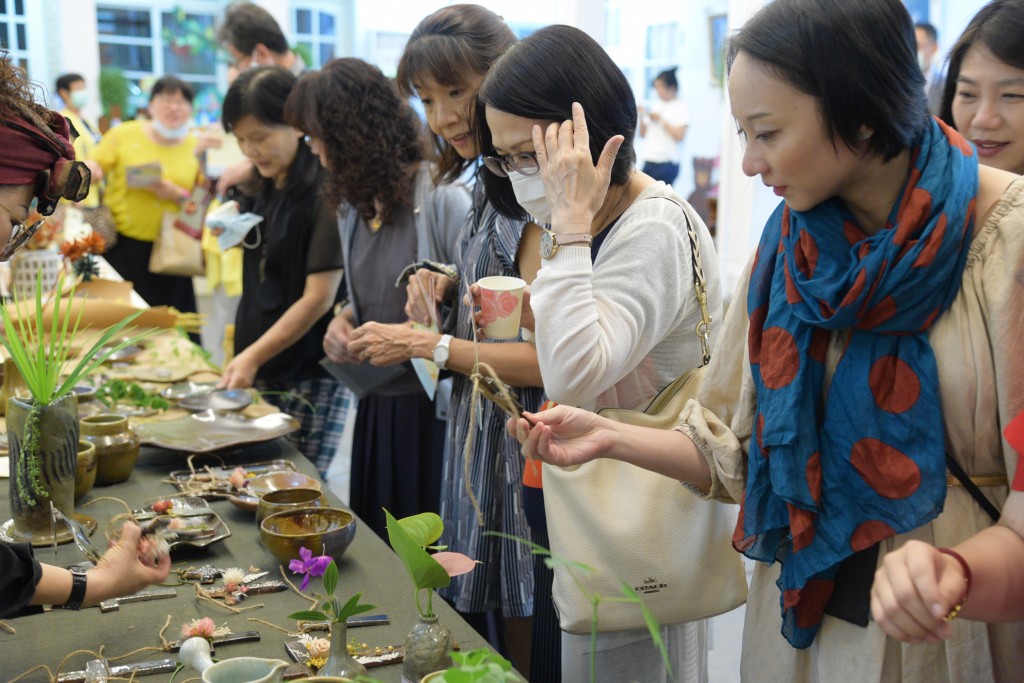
point(164, 139)
point(614, 301)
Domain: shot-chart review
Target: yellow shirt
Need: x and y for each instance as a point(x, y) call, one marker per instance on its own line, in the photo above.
point(138, 211)
point(85, 146)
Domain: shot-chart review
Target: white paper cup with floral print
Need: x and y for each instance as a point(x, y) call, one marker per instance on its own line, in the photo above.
point(501, 305)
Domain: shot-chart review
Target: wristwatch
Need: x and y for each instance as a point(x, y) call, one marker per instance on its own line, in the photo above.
point(550, 241)
point(78, 581)
point(441, 352)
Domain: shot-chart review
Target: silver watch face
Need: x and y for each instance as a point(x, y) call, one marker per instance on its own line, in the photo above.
point(441, 354)
point(547, 244)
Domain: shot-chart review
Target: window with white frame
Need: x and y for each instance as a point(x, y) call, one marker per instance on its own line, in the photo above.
point(315, 32)
point(164, 38)
point(14, 31)
point(661, 53)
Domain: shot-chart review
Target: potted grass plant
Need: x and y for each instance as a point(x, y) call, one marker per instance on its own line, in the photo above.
point(42, 429)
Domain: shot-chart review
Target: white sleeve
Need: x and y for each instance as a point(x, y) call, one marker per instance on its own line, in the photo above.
point(595, 326)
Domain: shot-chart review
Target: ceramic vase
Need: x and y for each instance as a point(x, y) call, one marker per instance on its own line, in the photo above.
point(85, 472)
point(340, 664)
point(117, 446)
point(44, 456)
point(428, 648)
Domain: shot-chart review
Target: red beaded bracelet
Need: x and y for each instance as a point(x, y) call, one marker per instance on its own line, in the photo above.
point(967, 579)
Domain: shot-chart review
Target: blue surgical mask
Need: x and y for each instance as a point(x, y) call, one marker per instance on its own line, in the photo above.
point(530, 194)
point(167, 133)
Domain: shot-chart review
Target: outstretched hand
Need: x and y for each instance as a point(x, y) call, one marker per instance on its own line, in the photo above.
point(561, 436)
point(914, 589)
point(575, 186)
point(123, 570)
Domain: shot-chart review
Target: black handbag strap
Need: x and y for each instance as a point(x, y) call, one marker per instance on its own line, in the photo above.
point(972, 488)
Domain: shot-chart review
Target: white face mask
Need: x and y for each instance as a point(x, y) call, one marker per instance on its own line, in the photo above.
point(79, 98)
point(529, 192)
point(178, 133)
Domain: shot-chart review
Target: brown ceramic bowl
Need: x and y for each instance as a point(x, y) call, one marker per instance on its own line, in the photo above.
point(278, 481)
point(85, 470)
point(328, 530)
point(288, 499)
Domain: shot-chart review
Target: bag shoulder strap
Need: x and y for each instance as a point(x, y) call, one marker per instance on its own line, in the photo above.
point(965, 480)
point(700, 283)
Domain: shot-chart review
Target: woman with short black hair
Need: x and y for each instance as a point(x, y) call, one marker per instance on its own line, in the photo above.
point(877, 329)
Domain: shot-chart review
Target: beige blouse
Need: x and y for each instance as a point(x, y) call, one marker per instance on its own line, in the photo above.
point(979, 347)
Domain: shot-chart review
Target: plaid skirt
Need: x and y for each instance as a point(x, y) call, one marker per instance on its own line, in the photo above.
point(321, 407)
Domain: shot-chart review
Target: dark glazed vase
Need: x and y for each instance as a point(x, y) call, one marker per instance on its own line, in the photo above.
point(117, 446)
point(44, 456)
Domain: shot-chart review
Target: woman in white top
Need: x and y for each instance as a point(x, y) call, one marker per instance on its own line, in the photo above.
point(614, 302)
point(663, 128)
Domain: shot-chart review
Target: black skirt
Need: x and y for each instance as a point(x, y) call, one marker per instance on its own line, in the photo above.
point(397, 449)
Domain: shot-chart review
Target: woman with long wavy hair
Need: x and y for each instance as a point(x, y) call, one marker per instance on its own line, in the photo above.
point(391, 215)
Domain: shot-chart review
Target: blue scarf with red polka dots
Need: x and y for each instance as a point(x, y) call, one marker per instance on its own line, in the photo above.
point(834, 470)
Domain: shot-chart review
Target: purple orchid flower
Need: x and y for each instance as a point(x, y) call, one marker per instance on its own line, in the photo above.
point(309, 565)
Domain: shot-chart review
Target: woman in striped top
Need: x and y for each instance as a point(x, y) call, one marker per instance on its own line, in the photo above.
point(444, 62)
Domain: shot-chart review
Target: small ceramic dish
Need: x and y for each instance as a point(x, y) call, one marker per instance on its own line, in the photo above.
point(126, 355)
point(218, 399)
point(181, 390)
point(278, 481)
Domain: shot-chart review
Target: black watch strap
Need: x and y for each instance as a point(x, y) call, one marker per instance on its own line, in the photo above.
point(78, 582)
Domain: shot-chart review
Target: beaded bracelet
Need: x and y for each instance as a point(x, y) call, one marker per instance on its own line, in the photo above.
point(967, 579)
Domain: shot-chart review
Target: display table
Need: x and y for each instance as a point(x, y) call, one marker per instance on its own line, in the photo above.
point(369, 566)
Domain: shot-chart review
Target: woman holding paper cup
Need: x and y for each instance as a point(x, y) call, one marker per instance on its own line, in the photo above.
point(150, 168)
point(614, 301)
point(446, 58)
point(391, 214)
point(292, 266)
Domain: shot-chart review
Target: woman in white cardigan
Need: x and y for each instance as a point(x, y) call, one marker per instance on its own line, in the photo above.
point(614, 301)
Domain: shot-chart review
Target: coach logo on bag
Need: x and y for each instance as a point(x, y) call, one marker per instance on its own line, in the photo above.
point(191, 207)
point(650, 585)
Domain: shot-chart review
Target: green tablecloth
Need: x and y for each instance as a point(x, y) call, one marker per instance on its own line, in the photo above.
point(368, 566)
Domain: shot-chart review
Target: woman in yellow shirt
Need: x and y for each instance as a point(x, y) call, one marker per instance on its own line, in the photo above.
point(139, 209)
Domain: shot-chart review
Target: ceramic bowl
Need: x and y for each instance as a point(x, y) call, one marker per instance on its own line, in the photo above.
point(288, 499)
point(328, 529)
point(85, 470)
point(278, 481)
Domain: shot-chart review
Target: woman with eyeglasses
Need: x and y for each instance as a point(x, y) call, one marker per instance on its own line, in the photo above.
point(392, 214)
point(446, 58)
point(292, 266)
point(38, 164)
point(614, 301)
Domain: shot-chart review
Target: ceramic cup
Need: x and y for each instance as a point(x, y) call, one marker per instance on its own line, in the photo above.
point(501, 305)
point(287, 499)
point(85, 470)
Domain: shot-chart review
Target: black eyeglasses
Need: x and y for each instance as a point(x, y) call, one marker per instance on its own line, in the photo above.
point(20, 234)
point(521, 162)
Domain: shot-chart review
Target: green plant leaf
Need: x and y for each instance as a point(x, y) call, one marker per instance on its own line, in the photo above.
point(534, 548)
point(424, 570)
point(309, 615)
point(331, 577)
point(352, 608)
point(424, 528)
point(653, 627)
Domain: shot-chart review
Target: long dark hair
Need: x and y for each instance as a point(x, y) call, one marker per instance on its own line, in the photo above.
point(858, 58)
point(999, 26)
point(453, 45)
point(261, 93)
point(539, 78)
point(370, 133)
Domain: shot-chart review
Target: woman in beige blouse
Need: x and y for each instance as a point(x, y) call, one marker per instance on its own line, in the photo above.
point(877, 328)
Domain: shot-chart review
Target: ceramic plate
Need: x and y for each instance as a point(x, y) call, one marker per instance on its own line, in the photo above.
point(215, 479)
point(182, 390)
point(220, 399)
point(208, 431)
point(126, 355)
point(196, 531)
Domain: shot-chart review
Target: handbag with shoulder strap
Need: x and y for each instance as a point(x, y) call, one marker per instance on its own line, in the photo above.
point(178, 249)
point(641, 528)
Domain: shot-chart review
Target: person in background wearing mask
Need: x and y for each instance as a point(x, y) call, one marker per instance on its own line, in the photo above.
point(71, 89)
point(138, 211)
point(931, 64)
point(252, 37)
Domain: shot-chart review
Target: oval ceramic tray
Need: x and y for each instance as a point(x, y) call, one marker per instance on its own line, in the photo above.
point(208, 431)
